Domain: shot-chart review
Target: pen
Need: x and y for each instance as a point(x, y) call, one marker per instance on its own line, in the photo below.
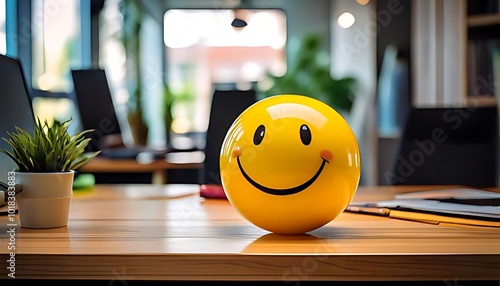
point(368, 210)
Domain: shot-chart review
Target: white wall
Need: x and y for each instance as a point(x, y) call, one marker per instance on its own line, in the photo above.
point(439, 42)
point(152, 80)
point(353, 53)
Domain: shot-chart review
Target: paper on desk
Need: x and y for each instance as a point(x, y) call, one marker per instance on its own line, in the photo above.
point(458, 193)
point(429, 201)
point(440, 207)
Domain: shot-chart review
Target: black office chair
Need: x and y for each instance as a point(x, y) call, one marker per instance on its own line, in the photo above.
point(448, 146)
point(226, 106)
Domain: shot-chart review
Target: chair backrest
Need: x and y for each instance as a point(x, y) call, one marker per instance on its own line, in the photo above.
point(448, 146)
point(17, 109)
point(226, 106)
point(95, 106)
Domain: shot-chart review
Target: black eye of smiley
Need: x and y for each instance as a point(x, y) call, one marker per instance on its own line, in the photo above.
point(259, 134)
point(305, 134)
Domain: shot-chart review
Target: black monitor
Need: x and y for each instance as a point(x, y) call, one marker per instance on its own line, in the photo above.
point(17, 109)
point(95, 105)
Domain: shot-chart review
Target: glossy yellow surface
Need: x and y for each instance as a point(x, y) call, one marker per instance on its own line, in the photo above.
point(290, 164)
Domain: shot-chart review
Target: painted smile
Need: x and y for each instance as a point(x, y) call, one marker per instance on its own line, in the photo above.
point(282, 192)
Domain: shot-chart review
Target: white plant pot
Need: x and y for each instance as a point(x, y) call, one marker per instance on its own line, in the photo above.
point(45, 199)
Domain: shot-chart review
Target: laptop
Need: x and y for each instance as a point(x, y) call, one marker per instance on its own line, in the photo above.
point(97, 112)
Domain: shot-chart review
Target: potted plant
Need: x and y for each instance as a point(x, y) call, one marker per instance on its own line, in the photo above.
point(46, 162)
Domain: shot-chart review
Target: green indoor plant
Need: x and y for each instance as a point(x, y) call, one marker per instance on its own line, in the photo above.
point(46, 162)
point(310, 75)
point(133, 14)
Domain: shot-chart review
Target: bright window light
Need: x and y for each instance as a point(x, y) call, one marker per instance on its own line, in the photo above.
point(3, 38)
point(185, 28)
point(56, 44)
point(204, 49)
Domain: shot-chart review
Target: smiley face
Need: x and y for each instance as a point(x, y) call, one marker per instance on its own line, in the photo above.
point(290, 164)
point(305, 137)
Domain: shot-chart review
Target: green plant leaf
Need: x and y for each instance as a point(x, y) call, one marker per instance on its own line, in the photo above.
point(310, 76)
point(83, 160)
point(49, 149)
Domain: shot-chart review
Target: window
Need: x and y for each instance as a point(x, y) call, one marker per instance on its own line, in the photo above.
point(112, 57)
point(59, 33)
point(3, 36)
point(56, 44)
point(204, 49)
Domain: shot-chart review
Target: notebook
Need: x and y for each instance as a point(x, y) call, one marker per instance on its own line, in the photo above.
point(458, 206)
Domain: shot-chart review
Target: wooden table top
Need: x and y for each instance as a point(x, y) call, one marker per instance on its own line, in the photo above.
point(151, 232)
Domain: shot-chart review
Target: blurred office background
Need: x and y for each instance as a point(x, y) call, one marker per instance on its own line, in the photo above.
point(164, 58)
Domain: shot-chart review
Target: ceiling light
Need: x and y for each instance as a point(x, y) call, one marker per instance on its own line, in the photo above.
point(346, 20)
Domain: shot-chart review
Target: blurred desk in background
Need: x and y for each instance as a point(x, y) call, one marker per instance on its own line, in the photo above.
point(157, 167)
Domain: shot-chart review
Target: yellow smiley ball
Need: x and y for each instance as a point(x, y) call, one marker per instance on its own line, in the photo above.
point(290, 164)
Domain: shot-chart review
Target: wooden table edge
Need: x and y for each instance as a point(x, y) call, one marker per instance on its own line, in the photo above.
point(275, 267)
